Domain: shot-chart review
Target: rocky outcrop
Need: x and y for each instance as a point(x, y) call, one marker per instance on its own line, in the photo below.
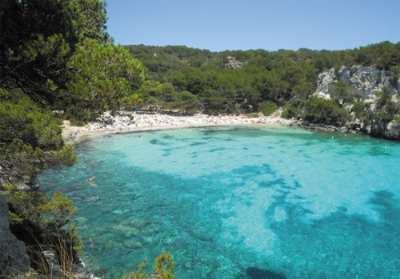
point(13, 256)
point(325, 79)
point(233, 64)
point(366, 80)
point(364, 83)
point(393, 130)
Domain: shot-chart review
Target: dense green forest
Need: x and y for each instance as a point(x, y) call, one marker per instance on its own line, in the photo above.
point(58, 62)
point(254, 80)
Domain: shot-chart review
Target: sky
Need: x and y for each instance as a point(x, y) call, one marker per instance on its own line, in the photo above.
point(254, 24)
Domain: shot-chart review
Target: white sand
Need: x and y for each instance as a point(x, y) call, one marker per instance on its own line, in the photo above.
point(126, 122)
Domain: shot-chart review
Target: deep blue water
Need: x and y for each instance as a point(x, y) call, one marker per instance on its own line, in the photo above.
point(238, 203)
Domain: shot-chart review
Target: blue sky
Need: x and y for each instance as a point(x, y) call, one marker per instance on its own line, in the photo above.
point(253, 24)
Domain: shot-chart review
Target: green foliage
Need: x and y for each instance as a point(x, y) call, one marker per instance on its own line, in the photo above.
point(65, 156)
point(21, 160)
point(88, 20)
point(24, 205)
point(322, 111)
point(38, 37)
point(34, 206)
point(385, 55)
point(59, 209)
point(385, 111)
point(290, 111)
point(187, 102)
point(102, 75)
point(283, 76)
point(361, 110)
point(268, 107)
point(343, 93)
point(24, 120)
point(158, 95)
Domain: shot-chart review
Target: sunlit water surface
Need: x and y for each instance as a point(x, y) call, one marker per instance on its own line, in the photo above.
point(238, 203)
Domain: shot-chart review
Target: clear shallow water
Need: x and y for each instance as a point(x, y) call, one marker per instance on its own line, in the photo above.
point(238, 203)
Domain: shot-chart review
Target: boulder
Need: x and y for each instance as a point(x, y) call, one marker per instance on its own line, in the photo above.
point(393, 130)
point(13, 257)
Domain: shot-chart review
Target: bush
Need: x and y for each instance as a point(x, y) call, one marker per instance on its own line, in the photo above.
point(65, 156)
point(22, 119)
point(289, 111)
point(343, 93)
point(36, 206)
point(21, 161)
point(268, 108)
point(322, 111)
point(186, 102)
point(293, 109)
point(58, 210)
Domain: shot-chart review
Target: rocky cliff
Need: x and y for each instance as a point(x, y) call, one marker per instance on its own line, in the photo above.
point(370, 95)
point(366, 80)
point(13, 256)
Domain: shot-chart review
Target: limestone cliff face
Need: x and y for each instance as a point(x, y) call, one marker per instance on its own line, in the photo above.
point(366, 82)
point(13, 256)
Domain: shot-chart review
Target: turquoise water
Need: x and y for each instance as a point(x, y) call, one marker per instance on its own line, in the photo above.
point(238, 203)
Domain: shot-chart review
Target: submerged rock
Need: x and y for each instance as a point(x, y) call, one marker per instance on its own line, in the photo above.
point(258, 273)
point(13, 257)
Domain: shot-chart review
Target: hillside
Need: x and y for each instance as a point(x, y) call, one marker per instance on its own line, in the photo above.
point(257, 80)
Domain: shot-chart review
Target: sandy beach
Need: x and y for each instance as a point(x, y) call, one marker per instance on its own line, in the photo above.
point(127, 122)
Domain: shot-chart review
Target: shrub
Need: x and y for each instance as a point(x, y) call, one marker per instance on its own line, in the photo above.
point(289, 111)
point(58, 210)
point(293, 109)
point(322, 111)
point(22, 119)
point(186, 102)
point(24, 205)
point(268, 107)
point(21, 160)
point(132, 101)
point(343, 93)
point(65, 156)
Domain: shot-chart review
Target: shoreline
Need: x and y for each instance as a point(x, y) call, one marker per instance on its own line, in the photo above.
point(130, 122)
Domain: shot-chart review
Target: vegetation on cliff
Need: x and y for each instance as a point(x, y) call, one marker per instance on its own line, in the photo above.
point(281, 78)
point(56, 60)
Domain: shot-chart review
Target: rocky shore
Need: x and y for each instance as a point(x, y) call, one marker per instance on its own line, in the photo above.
point(126, 122)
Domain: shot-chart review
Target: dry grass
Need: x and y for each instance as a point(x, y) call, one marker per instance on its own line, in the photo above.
point(65, 254)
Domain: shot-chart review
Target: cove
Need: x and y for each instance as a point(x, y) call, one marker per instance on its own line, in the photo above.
point(237, 203)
